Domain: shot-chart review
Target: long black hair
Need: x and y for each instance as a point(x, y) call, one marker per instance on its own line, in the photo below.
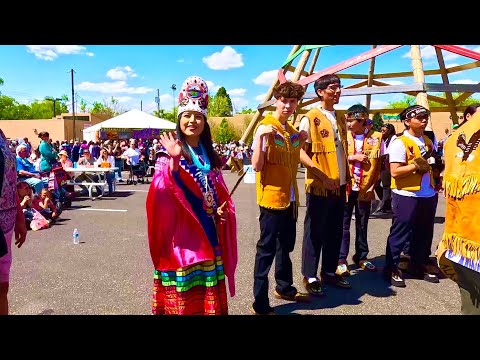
point(205, 139)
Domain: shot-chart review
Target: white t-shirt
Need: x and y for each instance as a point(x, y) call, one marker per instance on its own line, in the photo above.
point(133, 155)
point(398, 154)
point(341, 161)
point(357, 165)
point(264, 148)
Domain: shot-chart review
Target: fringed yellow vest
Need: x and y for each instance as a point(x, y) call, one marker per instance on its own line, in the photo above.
point(324, 152)
point(279, 171)
point(461, 183)
point(371, 147)
point(413, 181)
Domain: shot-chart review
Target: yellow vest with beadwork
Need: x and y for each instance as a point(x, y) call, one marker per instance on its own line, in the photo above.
point(461, 184)
point(279, 172)
point(324, 154)
point(413, 181)
point(371, 147)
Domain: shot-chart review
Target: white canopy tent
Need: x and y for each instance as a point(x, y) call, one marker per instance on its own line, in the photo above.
point(133, 119)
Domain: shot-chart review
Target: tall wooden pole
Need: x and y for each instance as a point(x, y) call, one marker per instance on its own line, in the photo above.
point(370, 79)
point(448, 95)
point(267, 97)
point(419, 77)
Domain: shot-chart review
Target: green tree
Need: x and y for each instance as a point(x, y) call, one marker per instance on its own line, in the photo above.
point(404, 103)
point(226, 132)
point(111, 107)
point(164, 114)
point(83, 105)
point(218, 106)
point(246, 110)
point(377, 121)
point(222, 92)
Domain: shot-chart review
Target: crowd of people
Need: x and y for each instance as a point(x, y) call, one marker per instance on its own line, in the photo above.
point(191, 219)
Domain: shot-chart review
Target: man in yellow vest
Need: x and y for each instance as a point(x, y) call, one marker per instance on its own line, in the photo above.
point(413, 198)
point(276, 155)
point(327, 174)
point(458, 253)
point(365, 148)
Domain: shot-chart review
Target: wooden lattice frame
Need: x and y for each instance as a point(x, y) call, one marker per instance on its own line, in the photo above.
point(370, 84)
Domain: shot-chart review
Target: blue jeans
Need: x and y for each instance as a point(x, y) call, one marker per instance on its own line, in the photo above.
point(36, 184)
point(119, 164)
point(110, 180)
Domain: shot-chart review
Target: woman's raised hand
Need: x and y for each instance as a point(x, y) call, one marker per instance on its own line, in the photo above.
point(171, 145)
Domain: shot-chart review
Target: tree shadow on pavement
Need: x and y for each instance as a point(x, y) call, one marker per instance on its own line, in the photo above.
point(362, 283)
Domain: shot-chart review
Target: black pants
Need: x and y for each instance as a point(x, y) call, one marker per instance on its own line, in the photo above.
point(277, 240)
point(412, 222)
point(323, 231)
point(386, 192)
point(428, 245)
point(362, 213)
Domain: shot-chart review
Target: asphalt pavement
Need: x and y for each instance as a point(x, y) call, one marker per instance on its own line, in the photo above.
point(110, 271)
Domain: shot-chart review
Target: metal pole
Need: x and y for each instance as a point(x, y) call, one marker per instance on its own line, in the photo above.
point(73, 108)
point(158, 102)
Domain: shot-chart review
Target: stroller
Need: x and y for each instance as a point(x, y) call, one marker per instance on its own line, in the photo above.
point(138, 173)
point(57, 183)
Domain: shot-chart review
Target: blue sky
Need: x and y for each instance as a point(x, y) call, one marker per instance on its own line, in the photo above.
point(133, 73)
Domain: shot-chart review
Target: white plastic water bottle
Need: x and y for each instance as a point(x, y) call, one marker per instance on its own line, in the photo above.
point(76, 236)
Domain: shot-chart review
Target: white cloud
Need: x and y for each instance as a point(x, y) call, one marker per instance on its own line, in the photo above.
point(394, 82)
point(239, 103)
point(464, 81)
point(267, 77)
point(212, 88)
point(117, 87)
point(123, 99)
point(260, 97)
point(51, 52)
point(451, 65)
point(121, 73)
point(237, 92)
point(89, 54)
point(181, 60)
point(228, 58)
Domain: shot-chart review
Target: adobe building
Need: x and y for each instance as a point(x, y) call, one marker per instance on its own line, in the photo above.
point(60, 127)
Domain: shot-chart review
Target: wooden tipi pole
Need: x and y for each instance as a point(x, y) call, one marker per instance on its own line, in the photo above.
point(370, 79)
point(419, 77)
point(449, 97)
point(267, 97)
point(310, 72)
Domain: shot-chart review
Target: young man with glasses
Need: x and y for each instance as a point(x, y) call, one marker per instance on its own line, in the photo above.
point(326, 176)
point(365, 148)
point(413, 198)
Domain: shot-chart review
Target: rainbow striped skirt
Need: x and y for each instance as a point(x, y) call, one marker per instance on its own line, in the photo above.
point(197, 289)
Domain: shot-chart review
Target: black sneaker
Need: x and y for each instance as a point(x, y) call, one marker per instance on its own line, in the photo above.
point(395, 278)
point(431, 278)
point(268, 311)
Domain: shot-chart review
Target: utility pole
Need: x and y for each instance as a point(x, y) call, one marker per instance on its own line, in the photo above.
point(157, 100)
point(54, 100)
point(141, 106)
point(73, 108)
